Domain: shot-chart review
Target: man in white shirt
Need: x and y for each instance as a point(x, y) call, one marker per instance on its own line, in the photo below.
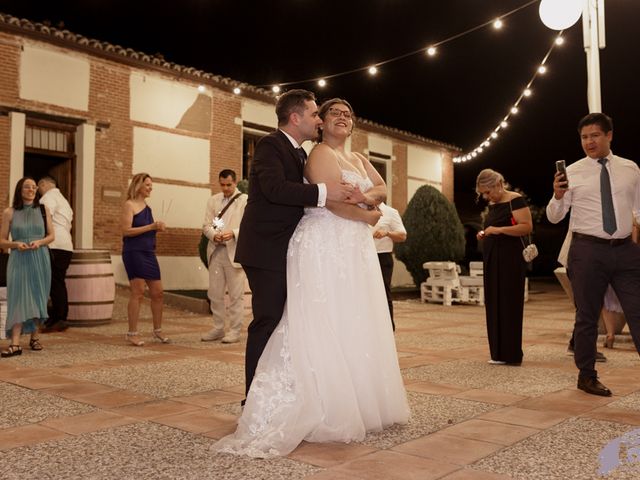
point(388, 230)
point(602, 190)
point(221, 225)
point(60, 249)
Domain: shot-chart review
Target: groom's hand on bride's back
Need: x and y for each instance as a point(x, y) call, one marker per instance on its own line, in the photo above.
point(339, 192)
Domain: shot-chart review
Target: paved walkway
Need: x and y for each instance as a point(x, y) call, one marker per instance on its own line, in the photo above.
point(91, 407)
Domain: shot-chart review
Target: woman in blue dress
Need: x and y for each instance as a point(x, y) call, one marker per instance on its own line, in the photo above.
point(139, 257)
point(29, 267)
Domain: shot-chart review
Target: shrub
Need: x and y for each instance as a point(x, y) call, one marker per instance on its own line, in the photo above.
point(434, 232)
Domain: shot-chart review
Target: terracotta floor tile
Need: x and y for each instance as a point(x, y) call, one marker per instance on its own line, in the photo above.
point(331, 475)
point(27, 435)
point(116, 398)
point(525, 417)
point(418, 360)
point(210, 399)
point(490, 396)
point(78, 390)
point(222, 431)
point(329, 454)
point(89, 422)
point(434, 388)
point(151, 410)
point(12, 374)
point(468, 474)
point(199, 421)
point(620, 415)
point(575, 403)
point(236, 389)
point(388, 465)
point(448, 448)
point(492, 432)
point(45, 381)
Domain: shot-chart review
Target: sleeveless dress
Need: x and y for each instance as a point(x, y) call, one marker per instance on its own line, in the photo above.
point(504, 272)
point(138, 253)
point(329, 372)
point(28, 273)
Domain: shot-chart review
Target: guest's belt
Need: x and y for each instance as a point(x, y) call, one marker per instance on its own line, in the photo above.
point(614, 242)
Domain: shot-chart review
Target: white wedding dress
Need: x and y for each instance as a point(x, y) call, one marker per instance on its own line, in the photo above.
point(330, 369)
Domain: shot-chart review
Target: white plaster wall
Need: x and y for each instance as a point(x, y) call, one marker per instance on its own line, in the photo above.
point(178, 273)
point(158, 101)
point(179, 206)
point(259, 113)
point(380, 144)
point(55, 78)
point(168, 155)
point(424, 163)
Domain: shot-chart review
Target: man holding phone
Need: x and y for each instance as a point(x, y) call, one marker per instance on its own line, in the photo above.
point(602, 190)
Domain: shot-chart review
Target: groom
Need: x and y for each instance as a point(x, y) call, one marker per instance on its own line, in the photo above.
point(277, 197)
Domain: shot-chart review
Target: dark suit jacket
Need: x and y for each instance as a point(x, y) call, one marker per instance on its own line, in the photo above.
point(276, 203)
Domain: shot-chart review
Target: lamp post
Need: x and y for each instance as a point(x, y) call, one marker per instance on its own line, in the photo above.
point(562, 14)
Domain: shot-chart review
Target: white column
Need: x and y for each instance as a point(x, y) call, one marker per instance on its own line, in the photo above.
point(593, 37)
point(16, 150)
point(85, 184)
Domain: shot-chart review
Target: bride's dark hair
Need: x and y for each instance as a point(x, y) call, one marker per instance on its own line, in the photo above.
point(324, 109)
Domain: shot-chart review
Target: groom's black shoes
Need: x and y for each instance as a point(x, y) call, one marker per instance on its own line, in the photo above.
point(593, 386)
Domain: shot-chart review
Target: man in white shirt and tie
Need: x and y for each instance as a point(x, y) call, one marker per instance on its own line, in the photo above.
point(61, 250)
point(602, 190)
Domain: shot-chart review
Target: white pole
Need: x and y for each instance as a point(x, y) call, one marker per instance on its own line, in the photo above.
point(593, 35)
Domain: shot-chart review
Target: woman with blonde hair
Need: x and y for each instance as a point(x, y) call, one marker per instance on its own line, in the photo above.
point(139, 258)
point(508, 220)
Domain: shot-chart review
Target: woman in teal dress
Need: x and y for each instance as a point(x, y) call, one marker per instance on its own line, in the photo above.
point(29, 267)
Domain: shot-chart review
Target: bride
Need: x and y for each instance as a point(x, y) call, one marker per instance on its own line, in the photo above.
point(329, 372)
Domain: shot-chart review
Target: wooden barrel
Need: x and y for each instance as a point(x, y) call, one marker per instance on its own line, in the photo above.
point(91, 288)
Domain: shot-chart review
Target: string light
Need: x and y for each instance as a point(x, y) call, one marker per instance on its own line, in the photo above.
point(373, 69)
point(559, 40)
point(322, 82)
point(201, 88)
point(514, 109)
point(237, 91)
point(275, 89)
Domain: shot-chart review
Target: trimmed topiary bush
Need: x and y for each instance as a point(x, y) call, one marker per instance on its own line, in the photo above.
point(434, 232)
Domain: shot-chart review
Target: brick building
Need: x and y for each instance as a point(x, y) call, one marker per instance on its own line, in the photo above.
point(92, 114)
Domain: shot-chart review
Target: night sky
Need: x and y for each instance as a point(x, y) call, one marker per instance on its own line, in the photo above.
point(457, 97)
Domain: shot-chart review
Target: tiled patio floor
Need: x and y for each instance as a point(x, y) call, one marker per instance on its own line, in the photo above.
point(91, 407)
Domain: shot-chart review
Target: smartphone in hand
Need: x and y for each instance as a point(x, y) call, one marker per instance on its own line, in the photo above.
point(561, 168)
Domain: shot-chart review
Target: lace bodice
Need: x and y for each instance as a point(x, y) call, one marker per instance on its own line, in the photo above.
point(348, 176)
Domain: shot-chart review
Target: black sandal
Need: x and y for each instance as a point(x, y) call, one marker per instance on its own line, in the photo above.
point(35, 344)
point(11, 351)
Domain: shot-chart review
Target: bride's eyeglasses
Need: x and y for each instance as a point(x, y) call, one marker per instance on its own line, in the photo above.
point(336, 113)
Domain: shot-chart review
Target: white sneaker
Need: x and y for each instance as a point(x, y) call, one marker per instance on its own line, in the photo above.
point(496, 362)
point(213, 334)
point(231, 338)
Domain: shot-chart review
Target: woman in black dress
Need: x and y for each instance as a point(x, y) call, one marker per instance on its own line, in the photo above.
point(508, 220)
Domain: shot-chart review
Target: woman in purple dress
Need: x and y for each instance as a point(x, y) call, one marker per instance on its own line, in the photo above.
point(139, 257)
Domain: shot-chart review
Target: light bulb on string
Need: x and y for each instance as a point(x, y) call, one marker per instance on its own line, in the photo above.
point(373, 70)
point(322, 82)
point(494, 134)
point(431, 51)
point(527, 92)
point(497, 24)
point(275, 89)
point(559, 40)
point(237, 91)
point(201, 88)
point(542, 69)
point(514, 110)
point(504, 124)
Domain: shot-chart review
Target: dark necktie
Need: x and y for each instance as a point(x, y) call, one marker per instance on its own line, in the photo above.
point(302, 155)
point(608, 213)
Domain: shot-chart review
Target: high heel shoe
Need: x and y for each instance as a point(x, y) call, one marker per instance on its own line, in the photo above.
point(133, 339)
point(157, 334)
point(608, 341)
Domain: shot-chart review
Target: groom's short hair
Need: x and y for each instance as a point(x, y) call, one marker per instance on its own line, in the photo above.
point(292, 101)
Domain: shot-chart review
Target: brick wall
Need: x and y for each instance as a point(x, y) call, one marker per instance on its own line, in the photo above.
point(447, 174)
point(400, 199)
